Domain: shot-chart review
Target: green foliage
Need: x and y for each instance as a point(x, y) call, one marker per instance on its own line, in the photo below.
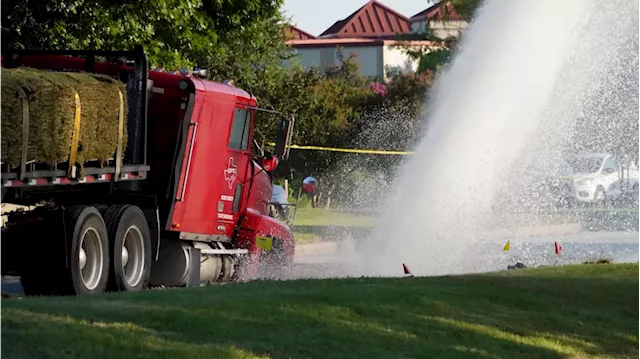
point(434, 60)
point(324, 106)
point(225, 36)
point(466, 8)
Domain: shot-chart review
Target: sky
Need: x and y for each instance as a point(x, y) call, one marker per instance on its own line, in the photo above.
point(316, 16)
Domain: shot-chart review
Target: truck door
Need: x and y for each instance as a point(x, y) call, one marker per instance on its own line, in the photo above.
point(236, 172)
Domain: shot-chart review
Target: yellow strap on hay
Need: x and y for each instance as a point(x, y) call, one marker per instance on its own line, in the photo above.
point(25, 132)
point(75, 138)
point(120, 135)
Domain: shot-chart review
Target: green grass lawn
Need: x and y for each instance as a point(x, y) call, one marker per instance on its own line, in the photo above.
point(301, 237)
point(556, 312)
point(320, 217)
point(329, 217)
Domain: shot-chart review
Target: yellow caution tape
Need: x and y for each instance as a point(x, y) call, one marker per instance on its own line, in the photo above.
point(350, 150)
point(264, 242)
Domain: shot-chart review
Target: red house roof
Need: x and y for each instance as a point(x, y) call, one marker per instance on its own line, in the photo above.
point(442, 10)
point(356, 42)
point(295, 33)
point(373, 20)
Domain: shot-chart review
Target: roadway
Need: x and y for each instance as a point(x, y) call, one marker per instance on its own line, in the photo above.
point(485, 256)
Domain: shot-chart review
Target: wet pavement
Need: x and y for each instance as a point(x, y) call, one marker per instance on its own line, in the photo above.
point(619, 247)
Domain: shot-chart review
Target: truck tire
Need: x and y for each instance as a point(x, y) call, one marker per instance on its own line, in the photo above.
point(130, 246)
point(88, 269)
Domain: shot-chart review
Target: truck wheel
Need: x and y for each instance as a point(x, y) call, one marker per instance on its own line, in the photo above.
point(130, 245)
point(89, 251)
point(245, 268)
point(102, 208)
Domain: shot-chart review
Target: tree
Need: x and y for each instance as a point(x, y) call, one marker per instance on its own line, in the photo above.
point(345, 111)
point(229, 37)
point(466, 8)
point(324, 107)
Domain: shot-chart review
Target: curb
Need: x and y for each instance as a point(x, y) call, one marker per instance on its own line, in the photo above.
point(554, 229)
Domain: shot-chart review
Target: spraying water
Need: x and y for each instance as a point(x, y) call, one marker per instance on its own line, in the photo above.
point(526, 71)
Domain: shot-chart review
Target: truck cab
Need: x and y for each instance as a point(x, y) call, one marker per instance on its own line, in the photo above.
point(222, 187)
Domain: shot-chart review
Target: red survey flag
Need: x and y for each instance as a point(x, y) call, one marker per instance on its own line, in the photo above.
point(406, 270)
point(558, 248)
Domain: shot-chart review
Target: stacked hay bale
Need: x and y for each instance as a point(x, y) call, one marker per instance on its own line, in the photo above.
point(52, 107)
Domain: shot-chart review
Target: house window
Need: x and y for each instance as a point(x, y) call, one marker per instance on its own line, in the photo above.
point(240, 128)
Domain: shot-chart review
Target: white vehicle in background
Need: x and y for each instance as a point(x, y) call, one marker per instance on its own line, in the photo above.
point(597, 177)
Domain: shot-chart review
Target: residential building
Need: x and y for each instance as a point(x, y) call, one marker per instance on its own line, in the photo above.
point(373, 20)
point(370, 33)
point(440, 20)
point(378, 58)
point(295, 33)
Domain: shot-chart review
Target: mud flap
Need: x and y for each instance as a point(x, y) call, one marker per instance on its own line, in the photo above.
point(193, 280)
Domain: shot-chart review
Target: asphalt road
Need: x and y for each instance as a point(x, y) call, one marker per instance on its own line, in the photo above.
point(532, 251)
point(620, 247)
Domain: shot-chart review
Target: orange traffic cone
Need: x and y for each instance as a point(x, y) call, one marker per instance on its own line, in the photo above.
point(406, 270)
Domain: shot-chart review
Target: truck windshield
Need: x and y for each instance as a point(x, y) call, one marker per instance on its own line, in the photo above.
point(240, 130)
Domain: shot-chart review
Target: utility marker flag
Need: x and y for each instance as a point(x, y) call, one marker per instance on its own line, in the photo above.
point(558, 248)
point(406, 270)
point(507, 246)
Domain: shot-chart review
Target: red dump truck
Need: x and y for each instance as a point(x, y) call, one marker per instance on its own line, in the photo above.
point(184, 201)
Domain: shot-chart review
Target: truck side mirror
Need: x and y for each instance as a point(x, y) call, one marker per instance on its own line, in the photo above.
point(285, 133)
point(269, 162)
point(309, 185)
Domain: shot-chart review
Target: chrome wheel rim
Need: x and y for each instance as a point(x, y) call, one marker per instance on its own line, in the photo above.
point(133, 256)
point(90, 258)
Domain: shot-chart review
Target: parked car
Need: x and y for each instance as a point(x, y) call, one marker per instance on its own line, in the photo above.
point(597, 175)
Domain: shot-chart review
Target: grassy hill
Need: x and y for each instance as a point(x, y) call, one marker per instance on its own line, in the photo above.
point(556, 312)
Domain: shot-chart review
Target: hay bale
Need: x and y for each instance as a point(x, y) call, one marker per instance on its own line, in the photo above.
point(109, 129)
point(52, 111)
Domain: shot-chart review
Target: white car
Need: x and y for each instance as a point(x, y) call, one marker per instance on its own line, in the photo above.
point(596, 175)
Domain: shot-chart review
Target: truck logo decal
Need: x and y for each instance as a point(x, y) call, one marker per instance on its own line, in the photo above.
point(225, 216)
point(231, 173)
